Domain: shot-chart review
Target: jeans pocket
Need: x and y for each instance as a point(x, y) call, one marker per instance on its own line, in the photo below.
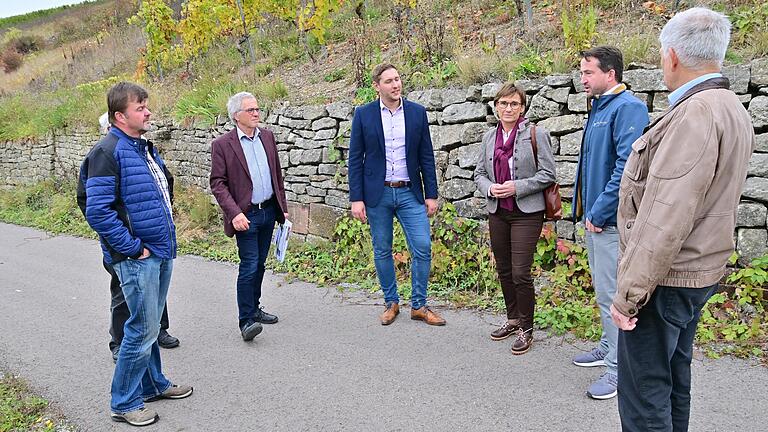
point(678, 308)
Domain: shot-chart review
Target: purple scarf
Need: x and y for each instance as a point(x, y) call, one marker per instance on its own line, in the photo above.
point(502, 151)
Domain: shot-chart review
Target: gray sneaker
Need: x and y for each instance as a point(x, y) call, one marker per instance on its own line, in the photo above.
point(141, 417)
point(590, 359)
point(173, 392)
point(604, 387)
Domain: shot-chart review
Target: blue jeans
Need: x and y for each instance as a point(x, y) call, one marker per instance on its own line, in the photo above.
point(603, 254)
point(412, 215)
point(655, 361)
point(253, 248)
point(138, 373)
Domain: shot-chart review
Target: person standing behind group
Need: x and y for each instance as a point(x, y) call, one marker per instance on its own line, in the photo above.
point(677, 213)
point(392, 174)
point(118, 309)
point(616, 119)
point(247, 181)
point(513, 179)
point(128, 203)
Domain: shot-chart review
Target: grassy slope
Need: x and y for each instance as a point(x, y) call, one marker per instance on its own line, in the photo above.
point(480, 41)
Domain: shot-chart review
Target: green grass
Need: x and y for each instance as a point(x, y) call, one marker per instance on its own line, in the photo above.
point(20, 410)
point(20, 19)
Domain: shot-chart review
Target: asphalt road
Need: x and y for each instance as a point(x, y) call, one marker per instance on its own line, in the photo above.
point(328, 365)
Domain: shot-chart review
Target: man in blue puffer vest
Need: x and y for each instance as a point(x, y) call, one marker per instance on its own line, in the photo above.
point(128, 204)
point(616, 120)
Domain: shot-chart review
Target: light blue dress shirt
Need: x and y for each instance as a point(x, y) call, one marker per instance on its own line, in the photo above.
point(677, 94)
point(258, 166)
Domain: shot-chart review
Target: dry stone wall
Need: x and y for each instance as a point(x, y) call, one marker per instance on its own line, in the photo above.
point(313, 143)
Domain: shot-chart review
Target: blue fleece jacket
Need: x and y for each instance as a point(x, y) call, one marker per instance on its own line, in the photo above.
point(615, 122)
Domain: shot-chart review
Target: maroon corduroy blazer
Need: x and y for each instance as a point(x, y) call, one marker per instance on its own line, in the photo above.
point(231, 182)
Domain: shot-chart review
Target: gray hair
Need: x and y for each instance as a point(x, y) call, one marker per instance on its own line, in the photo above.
point(699, 37)
point(104, 123)
point(235, 102)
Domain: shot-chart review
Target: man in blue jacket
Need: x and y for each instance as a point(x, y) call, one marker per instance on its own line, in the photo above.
point(616, 120)
point(392, 174)
point(128, 203)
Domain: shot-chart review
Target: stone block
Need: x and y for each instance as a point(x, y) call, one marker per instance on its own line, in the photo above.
point(313, 112)
point(464, 112)
point(473, 132)
point(475, 93)
point(571, 144)
point(758, 165)
point(758, 109)
point(306, 134)
point(313, 156)
point(761, 143)
point(466, 156)
point(454, 171)
point(345, 129)
point(541, 108)
point(739, 76)
point(457, 188)
point(660, 101)
point(751, 215)
point(341, 203)
point(316, 191)
point(643, 80)
point(745, 99)
point(293, 123)
point(489, 91)
point(453, 96)
point(298, 214)
point(565, 229)
point(432, 117)
point(562, 125)
point(324, 123)
point(530, 85)
point(759, 68)
point(558, 94)
point(431, 99)
point(577, 102)
point(472, 207)
point(751, 243)
point(340, 110)
point(756, 188)
point(304, 170)
point(576, 81)
point(566, 173)
point(446, 137)
point(323, 219)
point(325, 134)
point(294, 112)
point(558, 80)
point(308, 199)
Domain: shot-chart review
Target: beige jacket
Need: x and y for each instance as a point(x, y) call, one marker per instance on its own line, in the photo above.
point(678, 195)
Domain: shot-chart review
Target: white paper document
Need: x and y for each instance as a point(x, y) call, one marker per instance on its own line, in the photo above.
point(280, 239)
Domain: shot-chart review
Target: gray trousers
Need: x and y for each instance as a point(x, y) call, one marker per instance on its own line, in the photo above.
point(603, 252)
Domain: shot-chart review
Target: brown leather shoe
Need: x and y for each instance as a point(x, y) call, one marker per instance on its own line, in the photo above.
point(506, 330)
point(390, 313)
point(522, 342)
point(427, 315)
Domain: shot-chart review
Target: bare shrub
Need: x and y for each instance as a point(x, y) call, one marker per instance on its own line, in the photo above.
point(11, 60)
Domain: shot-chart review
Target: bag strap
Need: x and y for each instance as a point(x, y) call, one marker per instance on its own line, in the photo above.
point(534, 146)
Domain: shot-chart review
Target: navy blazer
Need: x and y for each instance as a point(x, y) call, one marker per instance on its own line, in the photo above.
point(367, 159)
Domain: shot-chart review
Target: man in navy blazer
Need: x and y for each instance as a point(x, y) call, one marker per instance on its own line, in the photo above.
point(392, 174)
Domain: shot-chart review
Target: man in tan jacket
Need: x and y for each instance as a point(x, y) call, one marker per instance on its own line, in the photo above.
point(677, 212)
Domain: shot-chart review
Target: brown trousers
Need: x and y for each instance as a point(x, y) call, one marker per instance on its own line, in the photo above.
point(513, 240)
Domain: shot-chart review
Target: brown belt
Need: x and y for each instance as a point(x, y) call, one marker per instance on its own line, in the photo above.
point(397, 184)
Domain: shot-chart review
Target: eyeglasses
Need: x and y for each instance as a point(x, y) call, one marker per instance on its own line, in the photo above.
point(252, 110)
point(504, 105)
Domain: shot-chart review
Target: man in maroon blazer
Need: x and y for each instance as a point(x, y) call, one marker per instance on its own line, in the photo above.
point(248, 184)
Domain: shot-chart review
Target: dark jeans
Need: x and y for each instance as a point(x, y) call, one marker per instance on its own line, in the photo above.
point(253, 247)
point(119, 312)
point(655, 361)
point(513, 241)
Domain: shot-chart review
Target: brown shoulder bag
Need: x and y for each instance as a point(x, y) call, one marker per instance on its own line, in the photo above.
point(553, 206)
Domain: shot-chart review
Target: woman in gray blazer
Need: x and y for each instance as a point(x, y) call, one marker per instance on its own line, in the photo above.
point(508, 176)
